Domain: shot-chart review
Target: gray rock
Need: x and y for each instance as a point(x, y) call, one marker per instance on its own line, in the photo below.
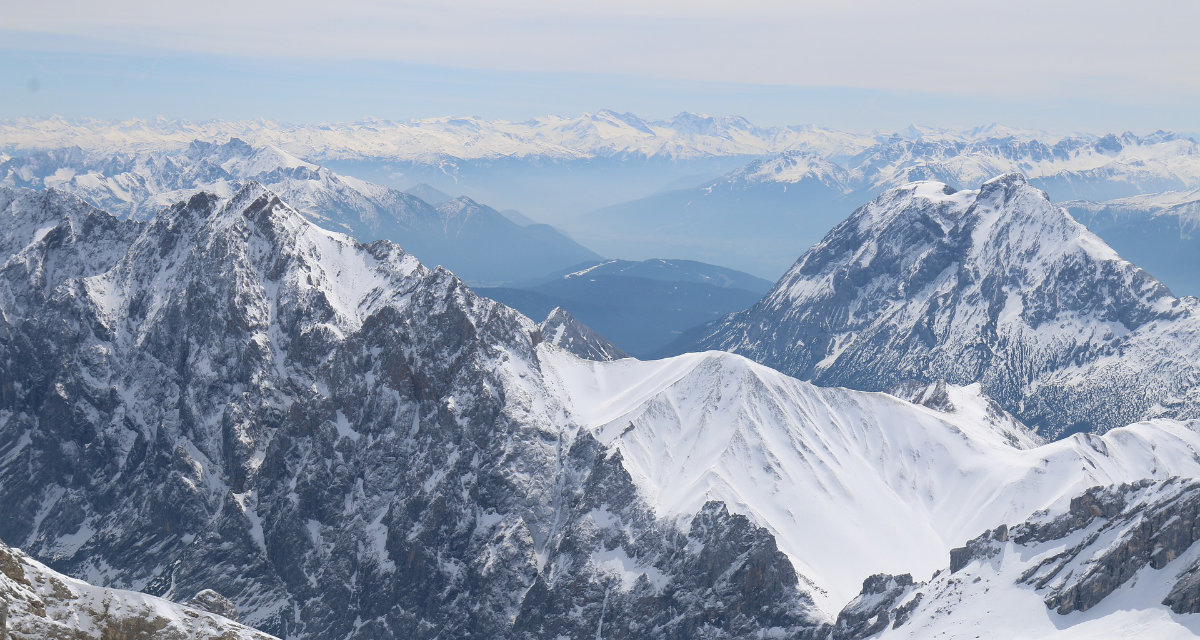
point(213, 602)
point(197, 403)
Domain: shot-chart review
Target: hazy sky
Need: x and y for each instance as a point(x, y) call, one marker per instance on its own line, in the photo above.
point(870, 64)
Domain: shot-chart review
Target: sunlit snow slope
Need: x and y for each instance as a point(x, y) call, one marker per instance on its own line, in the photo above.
point(850, 483)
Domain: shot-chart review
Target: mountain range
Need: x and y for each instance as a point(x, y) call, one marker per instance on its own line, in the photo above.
point(1159, 232)
point(557, 168)
point(478, 242)
point(756, 218)
point(228, 399)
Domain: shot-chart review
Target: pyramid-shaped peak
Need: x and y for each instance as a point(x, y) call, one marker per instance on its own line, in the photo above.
point(564, 330)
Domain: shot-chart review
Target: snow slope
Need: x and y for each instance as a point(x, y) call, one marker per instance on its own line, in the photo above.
point(849, 483)
point(1117, 562)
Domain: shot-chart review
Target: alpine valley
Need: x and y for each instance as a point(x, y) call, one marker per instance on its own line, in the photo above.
point(236, 406)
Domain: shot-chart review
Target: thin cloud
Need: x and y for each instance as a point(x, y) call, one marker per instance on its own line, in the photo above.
point(1022, 47)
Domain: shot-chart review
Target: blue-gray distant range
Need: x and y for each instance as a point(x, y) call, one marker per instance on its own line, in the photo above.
point(641, 306)
point(714, 189)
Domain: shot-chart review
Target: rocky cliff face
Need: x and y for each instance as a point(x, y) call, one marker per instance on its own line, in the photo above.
point(995, 286)
point(343, 443)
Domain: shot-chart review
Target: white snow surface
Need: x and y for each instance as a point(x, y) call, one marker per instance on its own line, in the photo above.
point(849, 483)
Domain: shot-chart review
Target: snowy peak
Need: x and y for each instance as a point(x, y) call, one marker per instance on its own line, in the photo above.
point(794, 167)
point(996, 286)
point(562, 329)
point(51, 238)
point(282, 263)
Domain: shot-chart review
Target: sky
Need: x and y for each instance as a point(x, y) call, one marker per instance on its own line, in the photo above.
point(863, 65)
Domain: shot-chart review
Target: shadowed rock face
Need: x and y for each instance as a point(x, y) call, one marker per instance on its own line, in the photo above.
point(36, 602)
point(341, 442)
point(997, 287)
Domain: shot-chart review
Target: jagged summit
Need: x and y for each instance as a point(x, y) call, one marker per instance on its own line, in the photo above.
point(476, 242)
point(269, 246)
point(996, 286)
point(562, 329)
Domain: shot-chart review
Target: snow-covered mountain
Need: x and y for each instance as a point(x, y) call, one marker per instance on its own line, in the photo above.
point(38, 602)
point(996, 286)
point(1070, 167)
point(479, 243)
point(344, 443)
point(337, 439)
point(849, 483)
point(590, 135)
point(564, 330)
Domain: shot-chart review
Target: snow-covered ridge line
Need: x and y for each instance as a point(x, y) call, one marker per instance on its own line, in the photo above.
point(601, 134)
point(604, 133)
point(850, 483)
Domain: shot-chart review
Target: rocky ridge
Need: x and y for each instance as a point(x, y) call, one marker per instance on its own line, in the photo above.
point(39, 603)
point(1095, 566)
point(338, 440)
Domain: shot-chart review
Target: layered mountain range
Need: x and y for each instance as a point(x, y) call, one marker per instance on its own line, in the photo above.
point(432, 140)
point(478, 242)
point(229, 401)
point(554, 166)
point(799, 194)
point(996, 286)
